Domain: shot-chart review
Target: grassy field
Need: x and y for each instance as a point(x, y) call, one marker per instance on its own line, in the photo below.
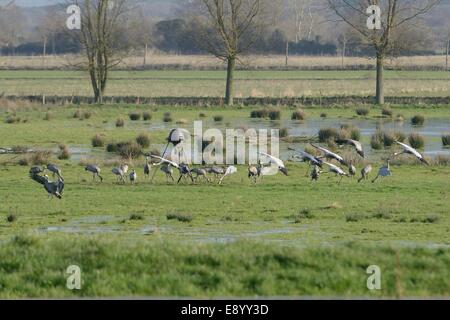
point(211, 83)
point(284, 236)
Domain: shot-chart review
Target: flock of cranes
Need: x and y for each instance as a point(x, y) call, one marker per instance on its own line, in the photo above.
point(317, 165)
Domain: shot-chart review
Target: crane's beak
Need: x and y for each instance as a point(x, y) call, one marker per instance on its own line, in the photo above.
point(284, 171)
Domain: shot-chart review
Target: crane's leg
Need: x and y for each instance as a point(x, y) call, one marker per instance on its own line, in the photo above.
point(181, 176)
point(101, 178)
point(340, 180)
point(373, 181)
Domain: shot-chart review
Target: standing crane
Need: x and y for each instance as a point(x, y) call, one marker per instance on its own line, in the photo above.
point(201, 172)
point(55, 170)
point(365, 172)
point(147, 167)
point(351, 169)
point(384, 171)
point(95, 170)
point(337, 170)
point(330, 155)
point(119, 174)
point(185, 171)
point(315, 173)
point(410, 150)
point(133, 176)
point(166, 167)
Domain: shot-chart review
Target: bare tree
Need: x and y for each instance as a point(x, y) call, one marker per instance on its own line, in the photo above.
point(103, 38)
point(229, 28)
point(394, 14)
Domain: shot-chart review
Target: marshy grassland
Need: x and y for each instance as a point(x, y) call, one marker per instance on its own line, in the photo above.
point(284, 236)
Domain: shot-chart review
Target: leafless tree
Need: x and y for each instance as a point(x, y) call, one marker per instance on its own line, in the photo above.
point(229, 28)
point(394, 15)
point(102, 36)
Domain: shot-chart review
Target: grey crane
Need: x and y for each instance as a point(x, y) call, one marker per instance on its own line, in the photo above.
point(185, 171)
point(124, 167)
point(133, 176)
point(384, 171)
point(167, 167)
point(351, 170)
point(330, 155)
point(54, 189)
point(306, 157)
point(35, 170)
point(147, 167)
point(356, 144)
point(315, 173)
point(278, 162)
point(201, 172)
point(229, 171)
point(119, 174)
point(337, 170)
point(365, 173)
point(55, 170)
point(217, 171)
point(95, 170)
point(254, 172)
point(410, 150)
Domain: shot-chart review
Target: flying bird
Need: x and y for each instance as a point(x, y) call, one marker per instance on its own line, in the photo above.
point(330, 155)
point(410, 150)
point(356, 144)
point(278, 162)
point(54, 189)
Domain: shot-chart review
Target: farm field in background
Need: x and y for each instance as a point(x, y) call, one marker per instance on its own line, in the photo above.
point(211, 83)
point(284, 236)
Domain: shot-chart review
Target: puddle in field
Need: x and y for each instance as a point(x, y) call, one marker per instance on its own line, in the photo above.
point(83, 230)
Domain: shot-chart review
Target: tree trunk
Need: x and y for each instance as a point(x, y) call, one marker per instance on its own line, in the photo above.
point(380, 69)
point(145, 55)
point(446, 54)
point(230, 74)
point(287, 53)
point(344, 45)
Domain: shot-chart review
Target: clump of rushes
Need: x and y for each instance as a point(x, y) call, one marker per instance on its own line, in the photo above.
point(349, 131)
point(259, 114)
point(11, 218)
point(87, 115)
point(47, 116)
point(274, 115)
point(362, 111)
point(120, 123)
point(284, 132)
point(143, 140)
point(218, 118)
point(167, 117)
point(179, 217)
point(64, 153)
point(77, 114)
point(12, 119)
point(98, 141)
point(147, 116)
point(387, 112)
point(202, 115)
point(129, 150)
point(418, 120)
point(135, 116)
point(327, 134)
point(323, 115)
point(39, 158)
point(446, 140)
point(299, 115)
point(416, 141)
point(376, 142)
